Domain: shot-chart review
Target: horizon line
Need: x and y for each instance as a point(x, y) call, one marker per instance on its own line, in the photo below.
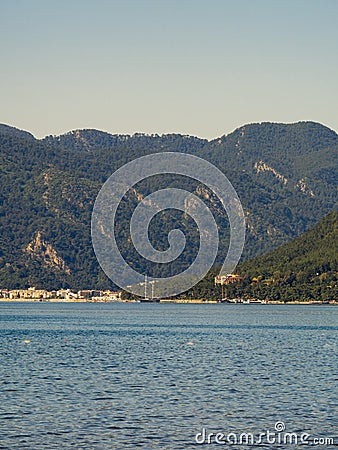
point(155, 134)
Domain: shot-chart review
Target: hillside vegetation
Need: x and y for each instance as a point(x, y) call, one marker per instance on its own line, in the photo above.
point(304, 269)
point(285, 176)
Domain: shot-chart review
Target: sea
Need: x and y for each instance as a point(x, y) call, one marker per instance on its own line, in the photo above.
point(168, 376)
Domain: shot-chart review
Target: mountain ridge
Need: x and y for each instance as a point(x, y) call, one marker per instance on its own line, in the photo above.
point(304, 269)
point(11, 128)
point(284, 174)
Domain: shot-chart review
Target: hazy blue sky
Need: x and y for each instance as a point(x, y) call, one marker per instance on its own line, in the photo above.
point(187, 66)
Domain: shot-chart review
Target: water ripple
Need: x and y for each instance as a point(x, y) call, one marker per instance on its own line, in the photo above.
point(126, 376)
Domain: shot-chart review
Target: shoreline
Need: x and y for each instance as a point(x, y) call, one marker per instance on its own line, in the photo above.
point(179, 301)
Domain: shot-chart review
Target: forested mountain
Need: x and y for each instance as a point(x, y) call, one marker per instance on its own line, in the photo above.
point(313, 253)
point(285, 176)
point(304, 269)
point(12, 131)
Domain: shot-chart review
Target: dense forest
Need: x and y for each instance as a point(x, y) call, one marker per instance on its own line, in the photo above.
point(304, 269)
point(285, 176)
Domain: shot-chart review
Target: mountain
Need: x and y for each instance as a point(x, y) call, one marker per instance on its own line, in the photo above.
point(284, 174)
point(305, 268)
point(91, 140)
point(12, 131)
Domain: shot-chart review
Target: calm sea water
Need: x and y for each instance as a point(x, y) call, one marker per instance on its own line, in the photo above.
point(124, 376)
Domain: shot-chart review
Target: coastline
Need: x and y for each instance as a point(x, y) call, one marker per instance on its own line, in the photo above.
point(172, 301)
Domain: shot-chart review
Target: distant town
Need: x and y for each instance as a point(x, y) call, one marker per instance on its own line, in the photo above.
point(32, 294)
point(61, 295)
point(90, 295)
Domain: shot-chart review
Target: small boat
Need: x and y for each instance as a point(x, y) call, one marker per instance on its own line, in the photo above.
point(150, 300)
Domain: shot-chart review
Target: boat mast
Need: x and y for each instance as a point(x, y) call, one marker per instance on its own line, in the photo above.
point(145, 286)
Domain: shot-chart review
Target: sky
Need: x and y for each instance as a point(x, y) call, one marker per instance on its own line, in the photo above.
point(194, 67)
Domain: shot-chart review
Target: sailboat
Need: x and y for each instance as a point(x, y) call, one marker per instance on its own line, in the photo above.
point(146, 299)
